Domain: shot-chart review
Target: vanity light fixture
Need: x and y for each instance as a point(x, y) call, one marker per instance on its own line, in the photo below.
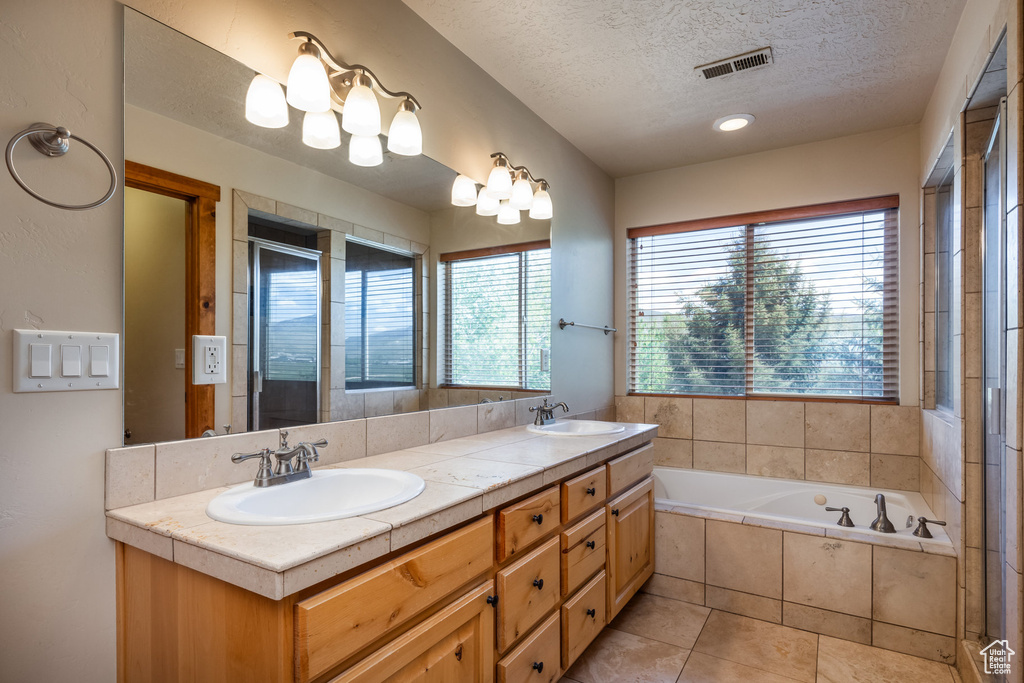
point(318, 83)
point(513, 196)
point(733, 122)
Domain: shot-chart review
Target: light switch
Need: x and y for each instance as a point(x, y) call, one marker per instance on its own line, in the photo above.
point(99, 361)
point(70, 360)
point(39, 355)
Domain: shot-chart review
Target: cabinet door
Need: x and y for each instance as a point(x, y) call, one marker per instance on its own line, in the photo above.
point(456, 645)
point(629, 520)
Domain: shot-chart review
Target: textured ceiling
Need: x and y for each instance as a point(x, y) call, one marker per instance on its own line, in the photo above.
point(615, 77)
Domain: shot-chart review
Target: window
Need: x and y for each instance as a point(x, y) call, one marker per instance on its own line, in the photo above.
point(379, 318)
point(944, 292)
point(497, 317)
point(798, 302)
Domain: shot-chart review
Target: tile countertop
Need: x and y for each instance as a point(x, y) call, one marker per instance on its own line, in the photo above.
point(464, 478)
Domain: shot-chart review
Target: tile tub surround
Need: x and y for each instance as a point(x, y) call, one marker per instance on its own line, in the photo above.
point(898, 597)
point(837, 443)
point(464, 477)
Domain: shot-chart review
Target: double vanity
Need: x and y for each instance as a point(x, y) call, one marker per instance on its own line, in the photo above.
point(521, 547)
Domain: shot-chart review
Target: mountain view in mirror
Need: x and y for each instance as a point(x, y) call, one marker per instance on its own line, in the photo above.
point(320, 290)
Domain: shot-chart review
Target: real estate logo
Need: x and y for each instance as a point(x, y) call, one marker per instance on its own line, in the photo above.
point(997, 657)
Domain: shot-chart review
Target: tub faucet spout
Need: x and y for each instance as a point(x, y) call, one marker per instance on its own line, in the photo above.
point(882, 522)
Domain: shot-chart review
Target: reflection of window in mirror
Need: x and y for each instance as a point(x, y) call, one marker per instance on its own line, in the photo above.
point(497, 317)
point(944, 292)
point(379, 318)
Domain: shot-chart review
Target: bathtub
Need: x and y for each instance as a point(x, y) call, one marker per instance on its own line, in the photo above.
point(793, 502)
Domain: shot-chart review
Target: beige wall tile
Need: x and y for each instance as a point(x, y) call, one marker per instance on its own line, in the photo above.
point(629, 408)
point(200, 464)
point(353, 407)
point(679, 545)
point(914, 589)
point(744, 558)
point(837, 426)
point(827, 573)
point(673, 452)
point(493, 416)
point(838, 467)
point(437, 398)
point(345, 440)
point(775, 423)
point(753, 606)
point(895, 429)
point(674, 416)
point(407, 401)
point(912, 642)
point(829, 623)
point(378, 403)
point(129, 476)
point(719, 456)
point(678, 589)
point(775, 461)
point(463, 397)
point(899, 472)
point(719, 420)
point(395, 432)
point(452, 423)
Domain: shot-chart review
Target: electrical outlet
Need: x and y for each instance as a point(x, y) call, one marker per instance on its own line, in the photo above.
point(208, 359)
point(545, 360)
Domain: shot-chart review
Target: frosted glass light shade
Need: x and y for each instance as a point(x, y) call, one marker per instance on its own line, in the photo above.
point(320, 130)
point(507, 214)
point(364, 150)
point(486, 205)
point(541, 209)
point(308, 87)
point(522, 194)
point(405, 136)
point(361, 115)
point(499, 183)
point(264, 103)
point(464, 191)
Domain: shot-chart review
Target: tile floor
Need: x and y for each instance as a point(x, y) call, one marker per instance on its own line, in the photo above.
point(661, 640)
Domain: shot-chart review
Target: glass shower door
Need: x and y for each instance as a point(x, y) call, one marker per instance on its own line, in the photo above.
point(284, 335)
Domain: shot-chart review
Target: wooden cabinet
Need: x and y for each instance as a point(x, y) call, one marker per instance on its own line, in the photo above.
point(630, 468)
point(583, 548)
point(583, 617)
point(584, 493)
point(521, 524)
point(527, 590)
point(456, 645)
point(630, 524)
point(537, 659)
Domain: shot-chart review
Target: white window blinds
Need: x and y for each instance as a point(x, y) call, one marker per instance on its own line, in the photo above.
point(497, 315)
point(799, 302)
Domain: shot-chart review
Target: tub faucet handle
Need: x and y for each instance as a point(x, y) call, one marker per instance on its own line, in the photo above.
point(844, 519)
point(922, 528)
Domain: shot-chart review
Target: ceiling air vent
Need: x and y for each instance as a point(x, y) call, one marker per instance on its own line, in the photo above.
point(744, 62)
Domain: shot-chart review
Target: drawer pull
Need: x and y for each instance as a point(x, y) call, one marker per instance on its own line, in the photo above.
point(458, 653)
point(615, 512)
point(539, 519)
point(539, 583)
point(592, 491)
point(492, 600)
point(591, 544)
point(592, 613)
point(538, 666)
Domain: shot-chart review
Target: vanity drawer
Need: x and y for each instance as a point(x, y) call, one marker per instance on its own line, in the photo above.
point(584, 493)
point(536, 660)
point(335, 624)
point(630, 468)
point(527, 590)
point(583, 617)
point(521, 524)
point(582, 551)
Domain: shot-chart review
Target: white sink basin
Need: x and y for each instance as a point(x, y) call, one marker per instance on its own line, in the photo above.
point(327, 495)
point(577, 428)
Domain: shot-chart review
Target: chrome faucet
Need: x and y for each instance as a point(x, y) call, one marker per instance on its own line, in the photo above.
point(882, 522)
point(283, 471)
point(546, 413)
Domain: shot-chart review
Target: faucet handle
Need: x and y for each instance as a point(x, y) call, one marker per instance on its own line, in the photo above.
point(545, 406)
point(265, 472)
point(844, 519)
point(922, 528)
point(284, 439)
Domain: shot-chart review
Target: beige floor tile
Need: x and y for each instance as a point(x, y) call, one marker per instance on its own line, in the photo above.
point(769, 647)
point(840, 661)
point(663, 619)
point(620, 657)
point(702, 668)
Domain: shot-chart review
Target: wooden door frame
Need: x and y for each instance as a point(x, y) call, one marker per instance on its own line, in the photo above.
point(200, 274)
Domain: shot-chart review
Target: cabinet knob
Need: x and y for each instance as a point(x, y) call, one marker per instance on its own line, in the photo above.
point(592, 491)
point(538, 666)
point(539, 519)
point(539, 583)
point(591, 544)
point(615, 512)
point(492, 600)
point(592, 613)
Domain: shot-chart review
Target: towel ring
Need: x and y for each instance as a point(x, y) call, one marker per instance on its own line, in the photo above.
point(54, 141)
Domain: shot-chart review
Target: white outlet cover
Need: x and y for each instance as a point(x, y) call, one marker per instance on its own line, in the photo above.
point(209, 359)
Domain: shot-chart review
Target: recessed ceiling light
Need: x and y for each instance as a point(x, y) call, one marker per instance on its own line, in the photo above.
point(733, 122)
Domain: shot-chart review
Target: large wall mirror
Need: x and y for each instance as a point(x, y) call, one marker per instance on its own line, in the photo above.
point(343, 292)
